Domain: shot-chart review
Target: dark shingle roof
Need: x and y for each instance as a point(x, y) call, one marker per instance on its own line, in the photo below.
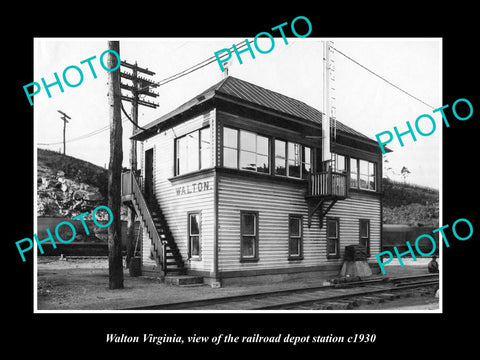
point(257, 95)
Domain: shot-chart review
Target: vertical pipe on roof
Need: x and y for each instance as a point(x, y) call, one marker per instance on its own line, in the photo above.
point(326, 156)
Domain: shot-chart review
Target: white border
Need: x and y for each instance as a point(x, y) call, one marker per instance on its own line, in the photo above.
point(437, 311)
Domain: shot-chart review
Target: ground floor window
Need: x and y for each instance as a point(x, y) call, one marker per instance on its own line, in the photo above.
point(365, 234)
point(333, 238)
point(295, 244)
point(194, 220)
point(248, 236)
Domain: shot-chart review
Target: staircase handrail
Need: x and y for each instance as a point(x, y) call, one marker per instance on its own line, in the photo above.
point(148, 219)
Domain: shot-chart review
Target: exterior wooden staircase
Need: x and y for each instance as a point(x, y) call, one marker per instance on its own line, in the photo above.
point(168, 257)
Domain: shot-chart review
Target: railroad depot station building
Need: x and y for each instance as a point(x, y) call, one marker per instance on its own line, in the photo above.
point(233, 189)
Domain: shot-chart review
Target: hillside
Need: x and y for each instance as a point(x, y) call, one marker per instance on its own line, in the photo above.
point(68, 186)
point(410, 204)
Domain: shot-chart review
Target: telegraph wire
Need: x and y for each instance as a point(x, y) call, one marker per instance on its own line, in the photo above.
point(195, 67)
point(210, 60)
point(81, 137)
point(95, 132)
point(159, 83)
point(382, 78)
point(129, 118)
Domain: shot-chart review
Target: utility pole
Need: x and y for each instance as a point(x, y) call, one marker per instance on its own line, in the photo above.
point(115, 268)
point(140, 86)
point(64, 117)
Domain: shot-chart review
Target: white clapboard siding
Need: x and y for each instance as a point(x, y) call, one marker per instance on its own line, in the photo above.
point(358, 206)
point(274, 202)
point(175, 206)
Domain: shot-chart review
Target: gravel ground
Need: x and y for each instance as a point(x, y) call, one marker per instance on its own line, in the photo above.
point(82, 284)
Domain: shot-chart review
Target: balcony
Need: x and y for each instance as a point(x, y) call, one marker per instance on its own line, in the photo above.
point(327, 185)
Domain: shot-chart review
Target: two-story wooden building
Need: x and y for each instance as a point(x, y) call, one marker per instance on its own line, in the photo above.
point(233, 188)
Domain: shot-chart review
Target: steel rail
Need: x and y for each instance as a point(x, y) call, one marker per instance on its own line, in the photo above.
point(379, 284)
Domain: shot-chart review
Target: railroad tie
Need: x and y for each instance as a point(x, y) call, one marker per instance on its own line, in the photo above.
point(338, 305)
point(374, 299)
point(389, 296)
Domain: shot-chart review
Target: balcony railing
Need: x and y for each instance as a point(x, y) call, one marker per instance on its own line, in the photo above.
point(131, 191)
point(327, 184)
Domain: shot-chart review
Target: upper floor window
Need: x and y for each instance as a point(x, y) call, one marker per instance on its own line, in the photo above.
point(339, 163)
point(193, 151)
point(362, 174)
point(353, 173)
point(254, 152)
point(367, 175)
point(292, 159)
point(280, 157)
point(205, 148)
point(246, 150)
point(230, 147)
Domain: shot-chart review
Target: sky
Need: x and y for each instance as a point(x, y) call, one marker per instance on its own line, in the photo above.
point(363, 101)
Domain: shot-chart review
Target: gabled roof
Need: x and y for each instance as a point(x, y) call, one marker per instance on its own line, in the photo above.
point(256, 95)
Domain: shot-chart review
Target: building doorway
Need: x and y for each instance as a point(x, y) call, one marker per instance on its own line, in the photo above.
point(148, 189)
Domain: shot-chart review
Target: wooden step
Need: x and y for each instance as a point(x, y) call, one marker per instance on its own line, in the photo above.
point(173, 258)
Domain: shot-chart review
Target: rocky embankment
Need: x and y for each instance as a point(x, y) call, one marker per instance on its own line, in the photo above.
point(62, 197)
point(67, 187)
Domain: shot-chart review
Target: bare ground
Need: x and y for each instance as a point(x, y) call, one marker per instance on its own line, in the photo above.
point(82, 284)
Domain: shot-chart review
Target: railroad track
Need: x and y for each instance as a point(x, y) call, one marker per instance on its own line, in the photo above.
point(341, 296)
point(359, 297)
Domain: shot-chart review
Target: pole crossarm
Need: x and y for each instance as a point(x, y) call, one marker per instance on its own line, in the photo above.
point(142, 79)
point(140, 102)
point(138, 68)
point(64, 117)
point(140, 85)
point(139, 91)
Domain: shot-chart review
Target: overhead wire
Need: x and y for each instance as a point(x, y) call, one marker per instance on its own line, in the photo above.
point(195, 67)
point(382, 78)
point(129, 118)
point(158, 83)
point(210, 60)
point(81, 137)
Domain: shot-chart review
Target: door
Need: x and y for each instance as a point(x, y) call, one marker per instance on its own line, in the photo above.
point(148, 173)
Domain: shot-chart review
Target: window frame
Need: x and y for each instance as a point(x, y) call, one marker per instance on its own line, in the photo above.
point(359, 173)
point(298, 256)
point(255, 152)
point(335, 159)
point(360, 222)
point(272, 157)
point(201, 148)
point(231, 148)
point(255, 256)
point(239, 150)
point(303, 162)
point(189, 235)
point(199, 165)
point(286, 159)
point(336, 239)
